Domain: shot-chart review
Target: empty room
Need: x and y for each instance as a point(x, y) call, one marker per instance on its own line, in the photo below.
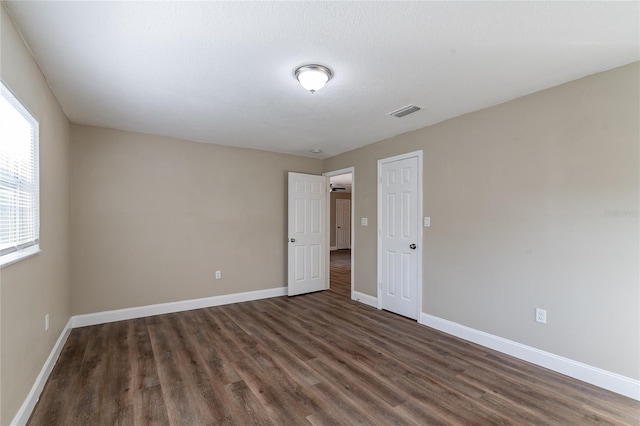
point(319, 213)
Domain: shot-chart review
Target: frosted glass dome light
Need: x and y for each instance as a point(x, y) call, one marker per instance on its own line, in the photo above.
point(313, 77)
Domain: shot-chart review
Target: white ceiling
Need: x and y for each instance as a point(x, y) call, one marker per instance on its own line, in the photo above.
point(342, 181)
point(222, 72)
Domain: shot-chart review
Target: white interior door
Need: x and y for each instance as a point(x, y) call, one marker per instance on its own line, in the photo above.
point(308, 238)
point(343, 224)
point(399, 235)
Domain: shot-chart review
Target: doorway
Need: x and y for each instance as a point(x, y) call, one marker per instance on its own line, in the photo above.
point(341, 232)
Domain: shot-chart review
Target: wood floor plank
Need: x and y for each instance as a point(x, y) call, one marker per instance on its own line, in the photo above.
point(283, 354)
point(144, 374)
point(115, 390)
point(249, 406)
point(349, 412)
point(55, 407)
point(182, 405)
point(315, 359)
point(86, 407)
point(153, 410)
point(362, 396)
point(278, 393)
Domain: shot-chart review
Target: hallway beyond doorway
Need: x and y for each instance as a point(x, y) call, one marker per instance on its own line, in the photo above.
point(340, 272)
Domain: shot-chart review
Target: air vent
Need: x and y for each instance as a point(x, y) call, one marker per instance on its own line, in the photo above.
point(404, 111)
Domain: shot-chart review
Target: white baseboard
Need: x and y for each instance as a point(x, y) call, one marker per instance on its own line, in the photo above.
point(332, 248)
point(365, 298)
point(23, 414)
point(171, 307)
point(605, 379)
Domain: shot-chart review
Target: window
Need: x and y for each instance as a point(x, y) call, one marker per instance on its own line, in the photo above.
point(19, 181)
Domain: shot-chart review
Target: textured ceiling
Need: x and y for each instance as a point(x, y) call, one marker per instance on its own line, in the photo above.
point(222, 72)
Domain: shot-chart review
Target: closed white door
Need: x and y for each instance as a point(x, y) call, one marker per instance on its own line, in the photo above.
point(308, 238)
point(399, 260)
point(343, 224)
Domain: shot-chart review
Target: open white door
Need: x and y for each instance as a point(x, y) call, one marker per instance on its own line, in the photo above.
point(308, 237)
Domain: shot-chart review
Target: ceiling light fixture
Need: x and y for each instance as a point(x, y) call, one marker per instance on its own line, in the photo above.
point(313, 77)
point(315, 151)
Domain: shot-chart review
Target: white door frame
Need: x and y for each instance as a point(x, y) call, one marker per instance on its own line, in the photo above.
point(417, 154)
point(344, 171)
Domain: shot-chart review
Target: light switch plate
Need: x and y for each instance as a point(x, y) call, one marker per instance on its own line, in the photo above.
point(427, 222)
point(363, 221)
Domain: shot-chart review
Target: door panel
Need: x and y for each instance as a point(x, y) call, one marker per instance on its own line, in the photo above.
point(399, 232)
point(307, 241)
point(343, 223)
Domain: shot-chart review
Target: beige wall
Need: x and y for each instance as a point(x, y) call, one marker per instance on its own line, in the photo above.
point(39, 285)
point(332, 214)
point(518, 196)
point(153, 218)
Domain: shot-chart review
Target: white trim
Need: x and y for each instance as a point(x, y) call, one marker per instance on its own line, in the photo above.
point(418, 155)
point(34, 190)
point(365, 298)
point(23, 414)
point(17, 256)
point(605, 379)
point(171, 307)
point(333, 248)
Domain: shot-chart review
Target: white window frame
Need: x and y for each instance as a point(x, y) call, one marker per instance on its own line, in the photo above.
point(31, 247)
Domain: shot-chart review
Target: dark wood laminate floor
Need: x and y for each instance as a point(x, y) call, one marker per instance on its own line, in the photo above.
point(317, 359)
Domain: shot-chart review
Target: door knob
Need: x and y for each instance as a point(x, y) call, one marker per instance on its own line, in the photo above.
point(293, 240)
point(412, 246)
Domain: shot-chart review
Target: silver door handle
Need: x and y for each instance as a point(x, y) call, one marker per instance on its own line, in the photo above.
point(293, 240)
point(412, 246)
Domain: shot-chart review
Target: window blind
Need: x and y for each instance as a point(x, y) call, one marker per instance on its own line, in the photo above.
point(19, 177)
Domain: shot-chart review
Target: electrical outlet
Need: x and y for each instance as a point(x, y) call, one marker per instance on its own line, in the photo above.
point(218, 275)
point(541, 315)
point(46, 322)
